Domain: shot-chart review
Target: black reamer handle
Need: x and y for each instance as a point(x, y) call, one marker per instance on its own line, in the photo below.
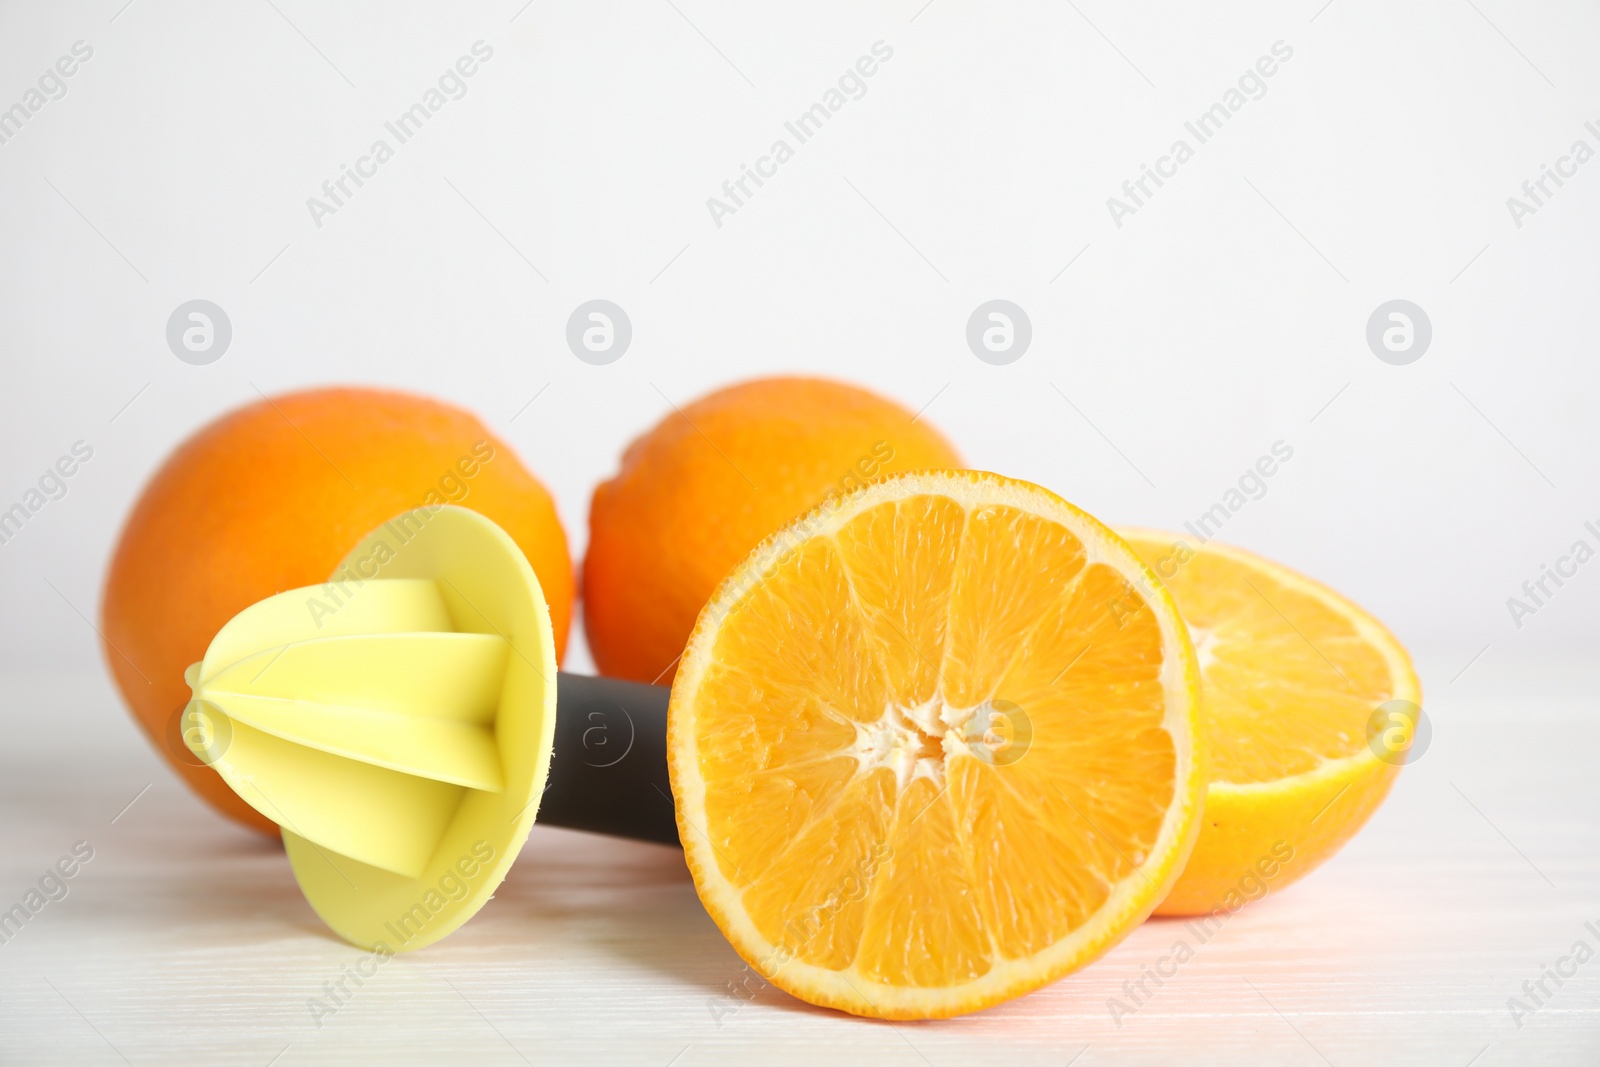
point(608, 774)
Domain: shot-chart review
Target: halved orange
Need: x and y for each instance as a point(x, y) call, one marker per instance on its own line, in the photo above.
point(935, 744)
point(1309, 706)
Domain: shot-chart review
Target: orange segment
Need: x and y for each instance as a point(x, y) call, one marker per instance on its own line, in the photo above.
point(934, 745)
point(902, 557)
point(1292, 675)
point(995, 605)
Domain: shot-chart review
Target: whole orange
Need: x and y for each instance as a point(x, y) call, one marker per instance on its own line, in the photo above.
point(707, 484)
point(270, 497)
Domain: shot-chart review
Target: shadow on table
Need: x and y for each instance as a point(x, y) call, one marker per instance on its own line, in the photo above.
point(637, 902)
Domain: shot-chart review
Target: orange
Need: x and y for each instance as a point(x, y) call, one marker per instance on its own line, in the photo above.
point(935, 745)
point(1309, 707)
point(270, 497)
point(712, 479)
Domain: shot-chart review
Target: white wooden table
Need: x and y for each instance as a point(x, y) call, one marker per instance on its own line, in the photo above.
point(184, 940)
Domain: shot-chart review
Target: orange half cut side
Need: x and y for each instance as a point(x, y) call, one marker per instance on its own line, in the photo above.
point(934, 745)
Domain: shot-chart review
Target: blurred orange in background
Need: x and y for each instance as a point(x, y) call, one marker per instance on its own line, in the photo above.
point(270, 497)
point(703, 487)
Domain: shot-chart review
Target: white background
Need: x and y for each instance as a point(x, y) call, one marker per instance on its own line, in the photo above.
point(1220, 318)
point(1168, 355)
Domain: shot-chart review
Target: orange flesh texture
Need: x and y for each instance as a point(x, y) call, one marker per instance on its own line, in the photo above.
point(1267, 649)
point(930, 867)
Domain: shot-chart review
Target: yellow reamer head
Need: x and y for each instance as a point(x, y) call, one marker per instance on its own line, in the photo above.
point(396, 722)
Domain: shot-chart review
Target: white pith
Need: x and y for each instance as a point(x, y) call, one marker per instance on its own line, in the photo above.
point(1205, 646)
point(898, 739)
